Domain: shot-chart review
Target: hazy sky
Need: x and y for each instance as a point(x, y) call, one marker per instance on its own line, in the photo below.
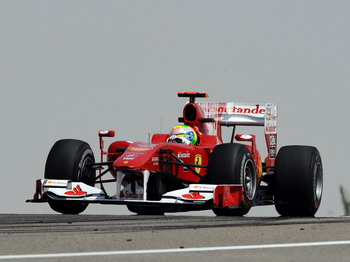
point(70, 68)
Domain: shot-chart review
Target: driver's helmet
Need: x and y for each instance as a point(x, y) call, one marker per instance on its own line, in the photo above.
point(183, 134)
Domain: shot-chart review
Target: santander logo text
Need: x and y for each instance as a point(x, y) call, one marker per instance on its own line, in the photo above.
point(242, 110)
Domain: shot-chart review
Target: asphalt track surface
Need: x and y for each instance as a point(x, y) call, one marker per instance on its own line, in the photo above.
point(172, 238)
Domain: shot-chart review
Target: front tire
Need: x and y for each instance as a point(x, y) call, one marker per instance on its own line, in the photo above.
point(70, 159)
point(298, 181)
point(233, 164)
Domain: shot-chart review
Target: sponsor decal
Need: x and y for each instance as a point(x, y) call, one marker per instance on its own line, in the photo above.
point(232, 108)
point(271, 119)
point(76, 191)
point(273, 140)
point(194, 195)
point(202, 187)
point(129, 157)
point(184, 155)
point(135, 153)
point(242, 110)
point(271, 129)
point(198, 161)
point(155, 161)
point(272, 151)
point(56, 182)
point(140, 148)
point(134, 191)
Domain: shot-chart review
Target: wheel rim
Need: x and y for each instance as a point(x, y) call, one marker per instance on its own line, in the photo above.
point(318, 182)
point(249, 181)
point(86, 175)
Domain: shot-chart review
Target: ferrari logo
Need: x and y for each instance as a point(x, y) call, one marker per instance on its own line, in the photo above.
point(198, 161)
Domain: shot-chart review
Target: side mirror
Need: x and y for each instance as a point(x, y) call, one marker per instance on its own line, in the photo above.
point(106, 133)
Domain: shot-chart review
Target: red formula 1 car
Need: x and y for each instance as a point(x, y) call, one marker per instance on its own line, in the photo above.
point(189, 169)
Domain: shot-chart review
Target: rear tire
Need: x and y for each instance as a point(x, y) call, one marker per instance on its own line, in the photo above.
point(233, 164)
point(70, 159)
point(298, 181)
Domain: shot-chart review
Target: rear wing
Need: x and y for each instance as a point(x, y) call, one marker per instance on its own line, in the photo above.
point(233, 114)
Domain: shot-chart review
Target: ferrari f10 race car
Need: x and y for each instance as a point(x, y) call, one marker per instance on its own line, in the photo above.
point(189, 169)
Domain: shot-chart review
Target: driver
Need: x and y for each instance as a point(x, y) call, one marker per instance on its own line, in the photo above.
point(183, 135)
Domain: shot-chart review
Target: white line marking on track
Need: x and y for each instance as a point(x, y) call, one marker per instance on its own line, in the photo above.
point(175, 250)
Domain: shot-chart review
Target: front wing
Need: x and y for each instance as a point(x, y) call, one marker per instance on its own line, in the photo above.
point(198, 196)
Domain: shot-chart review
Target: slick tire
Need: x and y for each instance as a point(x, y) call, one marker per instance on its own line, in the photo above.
point(233, 164)
point(70, 159)
point(298, 181)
